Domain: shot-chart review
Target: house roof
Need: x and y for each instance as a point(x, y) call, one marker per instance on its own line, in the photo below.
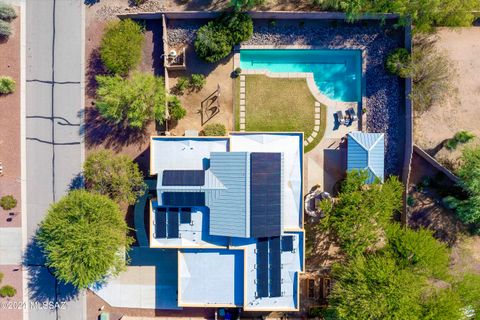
point(366, 152)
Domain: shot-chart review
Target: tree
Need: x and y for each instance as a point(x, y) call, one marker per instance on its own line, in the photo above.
point(212, 42)
point(5, 30)
point(460, 137)
point(115, 176)
point(374, 287)
point(197, 81)
point(7, 12)
point(83, 237)
point(215, 129)
point(398, 62)
point(121, 46)
point(134, 101)
point(181, 85)
point(361, 212)
point(241, 5)
point(238, 24)
point(175, 108)
point(442, 304)
point(8, 202)
point(468, 288)
point(7, 85)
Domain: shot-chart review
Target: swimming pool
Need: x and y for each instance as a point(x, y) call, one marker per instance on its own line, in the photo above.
point(337, 73)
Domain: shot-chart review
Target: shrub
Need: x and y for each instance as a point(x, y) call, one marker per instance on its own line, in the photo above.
point(7, 85)
point(5, 30)
point(84, 238)
point(398, 62)
point(134, 101)
point(212, 42)
point(8, 202)
point(459, 138)
point(240, 5)
point(121, 46)
point(197, 81)
point(1, 277)
point(116, 176)
point(175, 108)
point(237, 72)
point(7, 12)
point(215, 129)
point(239, 26)
point(7, 291)
point(181, 85)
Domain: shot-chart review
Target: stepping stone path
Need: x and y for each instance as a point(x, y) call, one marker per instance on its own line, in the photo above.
point(309, 139)
point(242, 103)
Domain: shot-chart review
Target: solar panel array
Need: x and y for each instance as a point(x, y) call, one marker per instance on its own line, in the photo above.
point(287, 243)
point(184, 199)
point(166, 223)
point(183, 178)
point(269, 279)
point(265, 194)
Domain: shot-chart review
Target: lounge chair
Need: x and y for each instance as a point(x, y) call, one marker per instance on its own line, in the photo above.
point(352, 114)
point(340, 117)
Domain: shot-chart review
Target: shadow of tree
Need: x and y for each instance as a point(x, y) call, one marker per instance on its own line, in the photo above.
point(42, 284)
point(95, 67)
point(433, 151)
point(97, 131)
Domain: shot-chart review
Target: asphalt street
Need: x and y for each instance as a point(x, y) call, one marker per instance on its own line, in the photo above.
point(54, 146)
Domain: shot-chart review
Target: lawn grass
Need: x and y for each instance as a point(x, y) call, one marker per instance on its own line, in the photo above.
point(281, 104)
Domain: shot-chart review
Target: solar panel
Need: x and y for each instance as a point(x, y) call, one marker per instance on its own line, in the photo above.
point(160, 223)
point(179, 199)
point(265, 194)
point(172, 223)
point(186, 215)
point(183, 178)
point(287, 243)
point(262, 267)
point(275, 267)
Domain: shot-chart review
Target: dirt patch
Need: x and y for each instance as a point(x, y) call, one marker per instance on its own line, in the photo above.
point(12, 275)
point(441, 122)
point(10, 182)
point(466, 256)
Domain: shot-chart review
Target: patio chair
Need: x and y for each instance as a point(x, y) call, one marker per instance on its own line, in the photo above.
point(352, 114)
point(340, 117)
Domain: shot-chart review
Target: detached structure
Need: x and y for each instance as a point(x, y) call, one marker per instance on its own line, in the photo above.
point(366, 151)
point(231, 208)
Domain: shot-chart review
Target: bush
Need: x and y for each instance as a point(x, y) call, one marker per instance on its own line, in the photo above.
point(7, 291)
point(212, 42)
point(8, 202)
point(239, 26)
point(237, 72)
point(175, 109)
point(197, 81)
point(240, 5)
point(181, 85)
point(215, 129)
point(132, 102)
point(398, 62)
point(115, 176)
point(84, 238)
point(459, 138)
point(7, 12)
point(5, 30)
point(7, 85)
point(121, 46)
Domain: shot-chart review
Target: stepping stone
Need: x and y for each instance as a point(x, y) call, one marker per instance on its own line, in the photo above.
point(317, 115)
point(242, 108)
point(242, 95)
point(242, 101)
point(314, 134)
point(242, 84)
point(242, 126)
point(317, 104)
point(316, 129)
point(305, 143)
point(309, 139)
point(242, 90)
point(317, 121)
point(242, 114)
point(317, 109)
point(242, 78)
point(242, 120)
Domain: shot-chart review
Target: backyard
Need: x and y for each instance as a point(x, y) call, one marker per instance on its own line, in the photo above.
point(280, 104)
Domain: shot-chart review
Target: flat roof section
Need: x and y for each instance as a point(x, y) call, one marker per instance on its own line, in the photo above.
point(210, 277)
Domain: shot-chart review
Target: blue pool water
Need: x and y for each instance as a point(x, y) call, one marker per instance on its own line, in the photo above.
point(337, 73)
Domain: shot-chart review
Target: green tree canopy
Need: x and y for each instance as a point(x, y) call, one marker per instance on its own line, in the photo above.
point(83, 237)
point(121, 46)
point(362, 212)
point(212, 42)
point(134, 101)
point(116, 176)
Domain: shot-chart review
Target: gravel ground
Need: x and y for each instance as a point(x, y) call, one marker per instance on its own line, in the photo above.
point(383, 92)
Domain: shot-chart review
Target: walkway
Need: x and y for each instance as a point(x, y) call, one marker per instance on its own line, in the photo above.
point(54, 146)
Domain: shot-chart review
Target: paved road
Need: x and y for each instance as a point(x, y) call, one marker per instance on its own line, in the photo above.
point(54, 147)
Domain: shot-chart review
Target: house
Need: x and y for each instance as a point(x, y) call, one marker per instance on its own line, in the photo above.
point(366, 151)
point(231, 209)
